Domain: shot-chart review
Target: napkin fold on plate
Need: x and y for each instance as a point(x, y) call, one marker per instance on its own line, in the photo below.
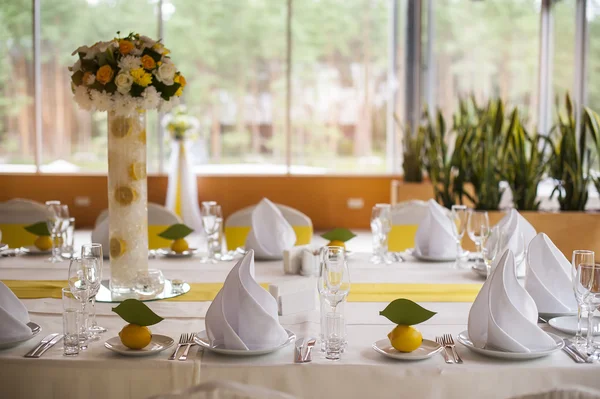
point(504, 316)
point(243, 315)
point(549, 280)
point(13, 317)
point(270, 233)
point(435, 235)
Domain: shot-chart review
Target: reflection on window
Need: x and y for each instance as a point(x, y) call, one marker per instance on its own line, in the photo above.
point(233, 55)
point(489, 49)
point(75, 140)
point(339, 85)
point(17, 140)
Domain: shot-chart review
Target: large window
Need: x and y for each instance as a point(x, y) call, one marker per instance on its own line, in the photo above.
point(289, 86)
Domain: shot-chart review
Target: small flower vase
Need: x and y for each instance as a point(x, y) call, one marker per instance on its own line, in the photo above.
point(127, 200)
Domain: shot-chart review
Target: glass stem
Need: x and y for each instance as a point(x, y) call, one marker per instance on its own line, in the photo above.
point(579, 311)
point(54, 246)
point(94, 311)
point(84, 326)
point(590, 329)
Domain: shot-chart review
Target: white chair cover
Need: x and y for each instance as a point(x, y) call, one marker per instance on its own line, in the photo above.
point(158, 215)
point(226, 390)
point(14, 215)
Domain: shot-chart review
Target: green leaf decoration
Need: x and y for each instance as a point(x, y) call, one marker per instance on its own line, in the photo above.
point(176, 232)
point(38, 229)
point(406, 312)
point(137, 312)
point(339, 234)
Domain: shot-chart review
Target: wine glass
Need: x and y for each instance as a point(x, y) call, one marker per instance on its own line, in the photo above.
point(94, 251)
point(84, 279)
point(212, 220)
point(460, 217)
point(381, 225)
point(478, 227)
point(491, 249)
point(57, 222)
point(581, 258)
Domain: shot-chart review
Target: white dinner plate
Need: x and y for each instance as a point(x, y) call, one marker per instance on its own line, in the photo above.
point(3, 247)
point(427, 349)
point(33, 250)
point(464, 339)
point(549, 316)
point(568, 324)
point(202, 339)
point(35, 330)
point(172, 254)
point(425, 258)
point(158, 344)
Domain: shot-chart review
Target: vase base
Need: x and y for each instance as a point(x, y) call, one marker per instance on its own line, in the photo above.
point(172, 289)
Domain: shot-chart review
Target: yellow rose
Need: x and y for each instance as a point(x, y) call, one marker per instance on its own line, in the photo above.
point(148, 62)
point(105, 74)
point(125, 46)
point(181, 80)
point(141, 77)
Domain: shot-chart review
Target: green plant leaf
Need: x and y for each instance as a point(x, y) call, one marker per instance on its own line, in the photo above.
point(339, 234)
point(137, 312)
point(176, 232)
point(38, 229)
point(406, 312)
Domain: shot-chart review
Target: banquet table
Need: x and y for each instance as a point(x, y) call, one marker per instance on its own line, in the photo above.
point(361, 373)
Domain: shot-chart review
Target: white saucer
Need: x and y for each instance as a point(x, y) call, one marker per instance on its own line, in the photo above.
point(172, 254)
point(158, 344)
point(33, 250)
point(35, 330)
point(427, 349)
point(202, 339)
point(480, 271)
point(464, 339)
point(412, 252)
point(568, 324)
point(549, 316)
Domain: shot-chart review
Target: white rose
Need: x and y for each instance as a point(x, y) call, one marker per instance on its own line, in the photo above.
point(165, 73)
point(124, 82)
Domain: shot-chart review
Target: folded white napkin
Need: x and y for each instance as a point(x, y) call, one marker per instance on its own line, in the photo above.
point(436, 233)
point(549, 280)
point(243, 315)
point(13, 317)
point(270, 234)
point(504, 315)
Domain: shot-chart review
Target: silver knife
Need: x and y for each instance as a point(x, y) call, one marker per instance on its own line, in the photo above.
point(43, 342)
point(49, 345)
point(573, 348)
point(576, 358)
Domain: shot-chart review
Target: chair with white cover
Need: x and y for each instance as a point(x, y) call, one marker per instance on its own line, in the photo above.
point(406, 217)
point(15, 215)
point(159, 218)
point(237, 226)
point(564, 393)
point(226, 390)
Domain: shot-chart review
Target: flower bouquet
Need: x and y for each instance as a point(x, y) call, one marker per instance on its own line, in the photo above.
point(180, 124)
point(126, 77)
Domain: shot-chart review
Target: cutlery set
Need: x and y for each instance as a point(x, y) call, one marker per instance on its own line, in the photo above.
point(186, 340)
point(450, 353)
point(45, 344)
point(303, 350)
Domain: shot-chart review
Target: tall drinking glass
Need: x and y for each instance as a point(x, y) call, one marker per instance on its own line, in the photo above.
point(84, 280)
point(94, 251)
point(72, 304)
point(460, 217)
point(68, 249)
point(381, 224)
point(57, 220)
point(71, 332)
point(478, 227)
point(581, 258)
point(588, 277)
point(212, 219)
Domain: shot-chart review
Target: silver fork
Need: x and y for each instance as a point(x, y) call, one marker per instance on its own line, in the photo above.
point(449, 342)
point(440, 341)
point(182, 339)
point(189, 342)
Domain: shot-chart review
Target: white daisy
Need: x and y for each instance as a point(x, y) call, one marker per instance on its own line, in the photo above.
point(150, 98)
point(102, 100)
point(82, 97)
point(129, 62)
point(166, 106)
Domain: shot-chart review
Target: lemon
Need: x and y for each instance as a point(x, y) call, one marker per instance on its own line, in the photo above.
point(43, 243)
point(142, 136)
point(121, 126)
point(180, 245)
point(125, 195)
point(117, 247)
point(405, 338)
point(336, 243)
point(137, 170)
point(135, 337)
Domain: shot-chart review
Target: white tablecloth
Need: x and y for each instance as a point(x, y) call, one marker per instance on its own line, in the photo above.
point(99, 373)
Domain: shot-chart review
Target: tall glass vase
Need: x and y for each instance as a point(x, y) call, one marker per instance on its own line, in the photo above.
point(127, 200)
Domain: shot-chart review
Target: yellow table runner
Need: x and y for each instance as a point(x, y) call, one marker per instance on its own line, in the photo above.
point(360, 292)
